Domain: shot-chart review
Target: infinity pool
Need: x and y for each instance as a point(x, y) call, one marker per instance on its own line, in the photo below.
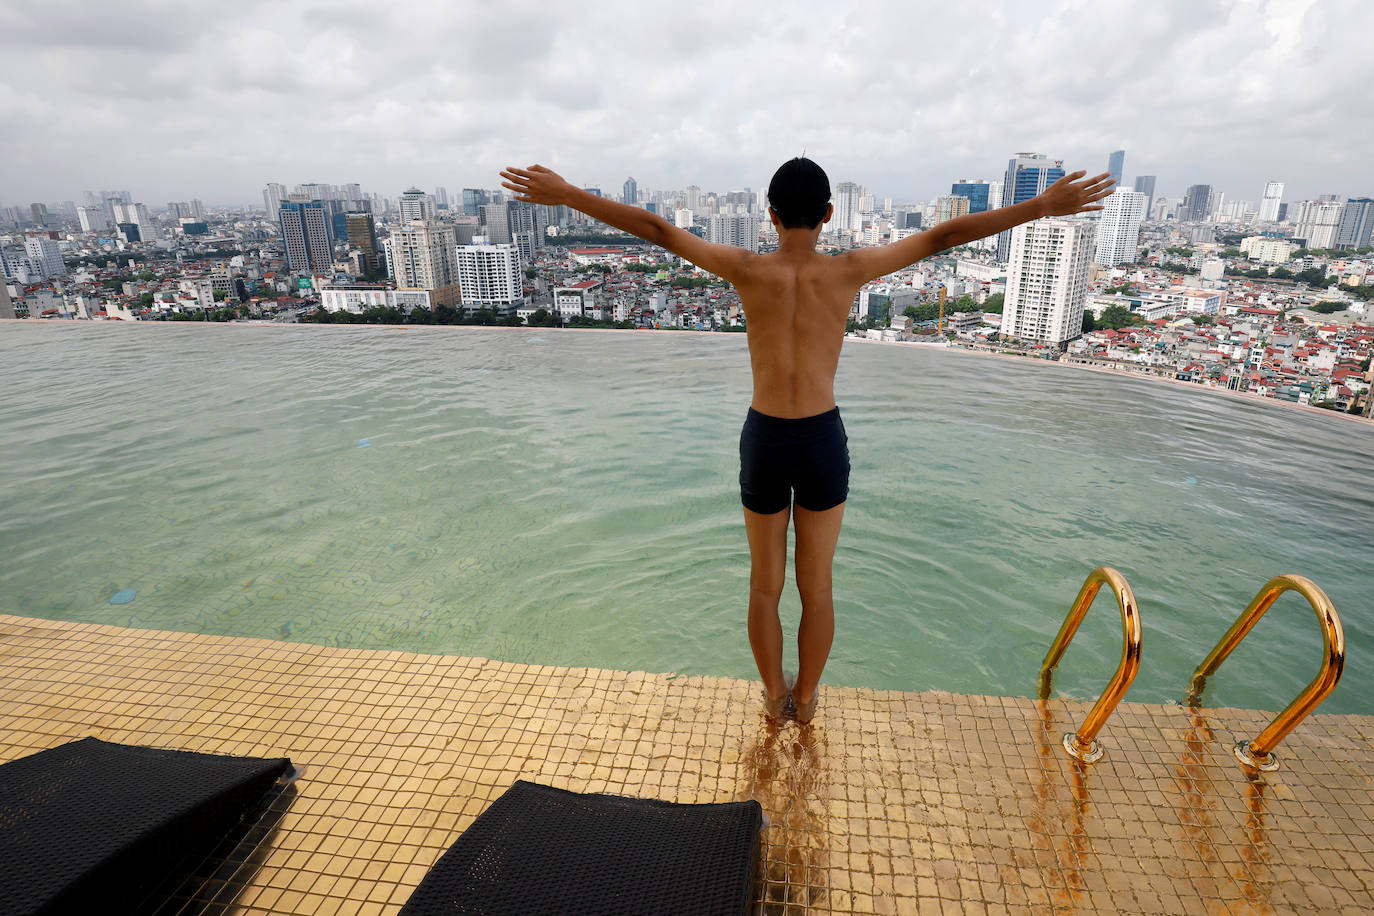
point(570, 497)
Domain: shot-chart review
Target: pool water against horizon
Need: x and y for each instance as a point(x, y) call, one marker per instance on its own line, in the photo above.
point(570, 498)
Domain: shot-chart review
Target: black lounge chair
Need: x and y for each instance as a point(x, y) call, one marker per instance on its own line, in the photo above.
point(538, 849)
point(93, 827)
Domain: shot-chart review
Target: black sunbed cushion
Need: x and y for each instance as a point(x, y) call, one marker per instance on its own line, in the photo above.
point(538, 849)
point(91, 827)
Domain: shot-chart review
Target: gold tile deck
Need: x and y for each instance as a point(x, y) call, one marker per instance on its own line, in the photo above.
point(888, 803)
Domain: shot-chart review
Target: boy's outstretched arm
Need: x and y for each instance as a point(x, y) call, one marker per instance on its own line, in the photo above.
point(539, 185)
point(1071, 194)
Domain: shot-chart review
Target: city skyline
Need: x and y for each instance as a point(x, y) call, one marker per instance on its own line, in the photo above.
point(717, 95)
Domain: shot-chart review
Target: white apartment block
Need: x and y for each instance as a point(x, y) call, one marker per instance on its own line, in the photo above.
point(579, 300)
point(358, 298)
point(1318, 222)
point(1047, 280)
point(682, 218)
point(1195, 301)
point(1118, 229)
point(45, 259)
point(846, 201)
point(92, 219)
point(421, 256)
point(416, 205)
point(978, 270)
point(489, 276)
point(1267, 250)
point(1269, 204)
point(738, 229)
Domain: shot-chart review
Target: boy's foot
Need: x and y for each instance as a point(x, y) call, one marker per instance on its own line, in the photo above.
point(776, 709)
point(779, 708)
point(806, 709)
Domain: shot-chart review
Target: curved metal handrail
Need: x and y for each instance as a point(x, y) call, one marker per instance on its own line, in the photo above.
point(1259, 753)
point(1083, 743)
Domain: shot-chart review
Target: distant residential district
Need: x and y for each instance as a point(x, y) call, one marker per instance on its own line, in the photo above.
point(1263, 297)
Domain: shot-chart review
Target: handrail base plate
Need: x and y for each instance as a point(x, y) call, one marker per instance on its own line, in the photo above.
point(1242, 751)
point(1074, 748)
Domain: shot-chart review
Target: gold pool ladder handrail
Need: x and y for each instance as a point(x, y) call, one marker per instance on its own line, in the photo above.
point(1259, 753)
point(1082, 744)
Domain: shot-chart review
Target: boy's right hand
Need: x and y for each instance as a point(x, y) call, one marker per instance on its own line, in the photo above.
point(537, 185)
point(1075, 194)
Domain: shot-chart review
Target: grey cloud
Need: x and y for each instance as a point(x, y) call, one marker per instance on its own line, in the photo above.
point(903, 97)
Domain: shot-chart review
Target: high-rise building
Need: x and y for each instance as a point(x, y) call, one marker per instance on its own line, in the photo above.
point(1357, 221)
point(473, 198)
point(136, 214)
point(362, 235)
point(39, 214)
point(529, 225)
point(976, 190)
point(738, 229)
point(272, 196)
point(1269, 203)
point(441, 198)
point(631, 191)
point(420, 255)
point(1047, 280)
point(489, 277)
point(45, 258)
point(92, 219)
point(1027, 175)
point(1318, 223)
point(1115, 163)
point(6, 306)
point(416, 204)
point(305, 233)
point(691, 198)
point(1118, 229)
point(1197, 202)
point(316, 191)
point(338, 211)
point(682, 218)
point(950, 206)
point(847, 195)
point(495, 221)
point(1145, 184)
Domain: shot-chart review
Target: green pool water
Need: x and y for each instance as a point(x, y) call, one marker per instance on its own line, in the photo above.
point(570, 498)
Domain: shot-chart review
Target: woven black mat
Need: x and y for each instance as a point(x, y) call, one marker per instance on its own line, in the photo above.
point(538, 849)
point(92, 827)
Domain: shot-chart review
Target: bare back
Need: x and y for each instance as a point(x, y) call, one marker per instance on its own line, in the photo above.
point(795, 307)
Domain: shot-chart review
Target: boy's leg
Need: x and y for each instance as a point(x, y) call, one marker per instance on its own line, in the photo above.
point(767, 568)
point(817, 534)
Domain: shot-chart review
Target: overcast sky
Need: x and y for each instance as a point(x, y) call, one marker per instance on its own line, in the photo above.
point(175, 100)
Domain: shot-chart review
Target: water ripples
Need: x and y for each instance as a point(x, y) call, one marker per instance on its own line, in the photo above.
point(570, 498)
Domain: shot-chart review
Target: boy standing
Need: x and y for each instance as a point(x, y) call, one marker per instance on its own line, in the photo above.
point(794, 459)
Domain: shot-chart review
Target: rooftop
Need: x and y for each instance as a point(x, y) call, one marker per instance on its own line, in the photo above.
point(889, 802)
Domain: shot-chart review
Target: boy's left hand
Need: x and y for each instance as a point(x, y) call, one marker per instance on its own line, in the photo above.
point(537, 185)
point(1075, 194)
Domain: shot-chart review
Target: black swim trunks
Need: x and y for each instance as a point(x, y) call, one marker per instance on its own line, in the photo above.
point(808, 455)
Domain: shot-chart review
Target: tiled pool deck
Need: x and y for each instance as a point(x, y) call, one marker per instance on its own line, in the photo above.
point(888, 803)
